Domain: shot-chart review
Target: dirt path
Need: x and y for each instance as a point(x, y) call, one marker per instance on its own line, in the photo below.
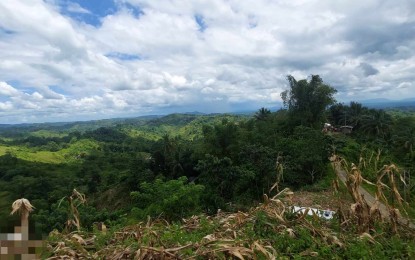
point(371, 200)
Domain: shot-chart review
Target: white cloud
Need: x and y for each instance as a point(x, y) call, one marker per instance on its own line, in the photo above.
point(239, 54)
point(7, 90)
point(76, 8)
point(5, 106)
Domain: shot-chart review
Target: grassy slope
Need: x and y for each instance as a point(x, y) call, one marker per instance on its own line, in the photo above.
point(186, 126)
point(189, 127)
point(61, 156)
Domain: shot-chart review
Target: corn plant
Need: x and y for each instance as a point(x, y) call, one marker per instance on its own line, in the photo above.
point(75, 200)
point(367, 214)
point(24, 207)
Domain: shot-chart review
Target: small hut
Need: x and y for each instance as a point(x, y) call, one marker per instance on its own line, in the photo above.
point(346, 129)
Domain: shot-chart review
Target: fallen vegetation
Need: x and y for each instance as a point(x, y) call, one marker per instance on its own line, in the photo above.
point(269, 231)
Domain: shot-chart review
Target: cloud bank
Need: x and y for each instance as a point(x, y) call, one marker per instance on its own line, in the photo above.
point(66, 60)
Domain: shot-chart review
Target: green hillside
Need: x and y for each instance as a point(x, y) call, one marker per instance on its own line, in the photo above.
point(174, 167)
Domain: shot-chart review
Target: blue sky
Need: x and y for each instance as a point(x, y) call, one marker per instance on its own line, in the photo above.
point(64, 60)
point(88, 11)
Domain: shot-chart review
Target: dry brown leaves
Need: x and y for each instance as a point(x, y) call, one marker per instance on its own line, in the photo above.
point(224, 243)
point(144, 240)
point(23, 206)
point(361, 212)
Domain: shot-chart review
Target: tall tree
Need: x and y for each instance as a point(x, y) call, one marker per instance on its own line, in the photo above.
point(404, 138)
point(377, 123)
point(355, 114)
point(336, 113)
point(307, 100)
point(262, 114)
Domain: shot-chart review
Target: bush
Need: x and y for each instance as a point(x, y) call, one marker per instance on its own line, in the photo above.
point(173, 199)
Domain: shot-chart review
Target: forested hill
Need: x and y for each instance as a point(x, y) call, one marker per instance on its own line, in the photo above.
point(179, 165)
point(44, 162)
point(80, 125)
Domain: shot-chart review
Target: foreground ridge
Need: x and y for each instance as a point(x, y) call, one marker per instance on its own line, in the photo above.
point(269, 230)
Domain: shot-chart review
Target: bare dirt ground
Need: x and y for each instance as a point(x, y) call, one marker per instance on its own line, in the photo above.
point(324, 200)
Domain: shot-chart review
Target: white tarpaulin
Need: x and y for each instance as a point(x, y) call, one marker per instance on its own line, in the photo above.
point(326, 214)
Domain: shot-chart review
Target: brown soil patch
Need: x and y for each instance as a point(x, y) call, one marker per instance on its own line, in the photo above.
point(320, 200)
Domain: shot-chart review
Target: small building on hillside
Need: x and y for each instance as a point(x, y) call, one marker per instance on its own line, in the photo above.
point(346, 129)
point(327, 128)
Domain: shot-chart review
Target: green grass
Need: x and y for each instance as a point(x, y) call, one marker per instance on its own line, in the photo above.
point(324, 183)
point(143, 134)
point(5, 139)
point(47, 133)
point(43, 156)
point(83, 145)
point(4, 149)
point(28, 154)
point(62, 156)
point(188, 131)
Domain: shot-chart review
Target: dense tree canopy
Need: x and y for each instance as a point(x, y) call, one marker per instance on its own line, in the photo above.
point(307, 100)
point(180, 165)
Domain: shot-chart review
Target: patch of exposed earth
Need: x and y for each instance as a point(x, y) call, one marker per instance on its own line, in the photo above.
point(324, 200)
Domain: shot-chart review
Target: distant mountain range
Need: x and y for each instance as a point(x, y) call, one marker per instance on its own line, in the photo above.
point(149, 120)
point(378, 103)
point(388, 103)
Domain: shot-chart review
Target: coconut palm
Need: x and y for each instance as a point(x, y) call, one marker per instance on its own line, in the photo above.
point(336, 114)
point(377, 123)
point(24, 207)
point(404, 137)
point(355, 113)
point(262, 113)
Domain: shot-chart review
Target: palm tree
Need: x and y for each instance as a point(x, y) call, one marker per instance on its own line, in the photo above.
point(24, 207)
point(336, 113)
point(377, 123)
point(404, 136)
point(262, 114)
point(355, 113)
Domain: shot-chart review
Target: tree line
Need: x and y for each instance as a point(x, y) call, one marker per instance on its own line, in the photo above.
point(229, 164)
